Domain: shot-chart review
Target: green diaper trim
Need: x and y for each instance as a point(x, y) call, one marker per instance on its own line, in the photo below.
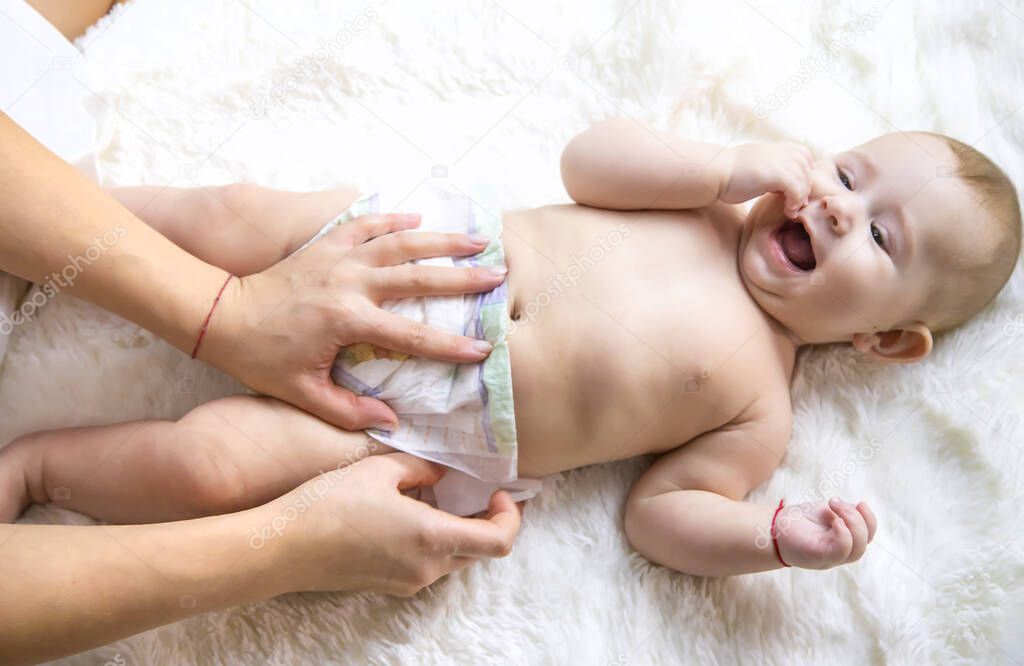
point(495, 324)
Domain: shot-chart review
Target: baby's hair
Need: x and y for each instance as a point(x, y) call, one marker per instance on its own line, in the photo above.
point(977, 282)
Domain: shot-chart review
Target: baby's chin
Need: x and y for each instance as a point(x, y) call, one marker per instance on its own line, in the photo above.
point(769, 286)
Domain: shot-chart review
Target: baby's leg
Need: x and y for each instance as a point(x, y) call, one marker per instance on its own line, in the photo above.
point(72, 18)
point(241, 228)
point(223, 456)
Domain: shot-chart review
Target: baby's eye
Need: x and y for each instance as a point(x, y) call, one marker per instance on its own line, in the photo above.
point(843, 178)
point(876, 234)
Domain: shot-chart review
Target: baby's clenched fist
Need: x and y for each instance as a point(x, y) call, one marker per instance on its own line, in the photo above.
point(754, 169)
point(824, 534)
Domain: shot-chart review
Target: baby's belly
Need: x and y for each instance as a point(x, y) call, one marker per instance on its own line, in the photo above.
point(602, 346)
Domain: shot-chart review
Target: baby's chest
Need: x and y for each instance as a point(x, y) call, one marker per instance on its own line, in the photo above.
point(690, 362)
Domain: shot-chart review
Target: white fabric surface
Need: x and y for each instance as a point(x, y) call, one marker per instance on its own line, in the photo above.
point(492, 92)
point(39, 74)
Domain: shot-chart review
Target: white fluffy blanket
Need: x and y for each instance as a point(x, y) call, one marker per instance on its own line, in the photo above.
point(313, 94)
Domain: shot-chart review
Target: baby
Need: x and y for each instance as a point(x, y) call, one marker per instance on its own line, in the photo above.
point(658, 317)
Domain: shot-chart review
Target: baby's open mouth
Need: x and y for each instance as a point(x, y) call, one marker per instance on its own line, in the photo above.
point(796, 245)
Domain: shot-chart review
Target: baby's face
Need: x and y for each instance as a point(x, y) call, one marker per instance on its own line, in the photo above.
point(881, 221)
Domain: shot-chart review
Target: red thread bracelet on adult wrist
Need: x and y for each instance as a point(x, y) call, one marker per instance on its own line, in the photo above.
point(775, 537)
point(209, 315)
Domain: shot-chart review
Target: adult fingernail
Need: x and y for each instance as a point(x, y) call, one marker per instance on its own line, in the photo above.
point(412, 216)
point(387, 426)
point(482, 346)
point(479, 239)
point(500, 271)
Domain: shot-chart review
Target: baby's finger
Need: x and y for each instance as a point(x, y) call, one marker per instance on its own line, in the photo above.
point(805, 187)
point(869, 519)
point(794, 190)
point(805, 154)
point(843, 543)
point(856, 526)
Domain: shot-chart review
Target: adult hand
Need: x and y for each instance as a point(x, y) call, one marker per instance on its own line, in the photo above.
point(353, 529)
point(277, 331)
point(280, 330)
point(72, 588)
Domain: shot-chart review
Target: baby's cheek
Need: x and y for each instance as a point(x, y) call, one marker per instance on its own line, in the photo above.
point(858, 291)
point(871, 292)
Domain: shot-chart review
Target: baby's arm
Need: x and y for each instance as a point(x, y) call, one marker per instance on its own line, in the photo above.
point(241, 228)
point(686, 512)
point(623, 165)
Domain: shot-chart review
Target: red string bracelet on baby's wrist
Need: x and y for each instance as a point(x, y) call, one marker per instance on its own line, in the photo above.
point(775, 536)
point(209, 315)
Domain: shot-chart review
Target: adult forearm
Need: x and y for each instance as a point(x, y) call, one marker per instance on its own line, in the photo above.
point(621, 164)
point(702, 533)
point(60, 230)
point(71, 588)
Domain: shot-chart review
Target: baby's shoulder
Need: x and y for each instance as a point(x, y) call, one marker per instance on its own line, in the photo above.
point(756, 372)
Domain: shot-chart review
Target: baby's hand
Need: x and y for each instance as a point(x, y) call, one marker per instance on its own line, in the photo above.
point(754, 169)
point(826, 534)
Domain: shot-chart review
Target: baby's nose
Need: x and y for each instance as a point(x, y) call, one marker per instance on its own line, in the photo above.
point(836, 215)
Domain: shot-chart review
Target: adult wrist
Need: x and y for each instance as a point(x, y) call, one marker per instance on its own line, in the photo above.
point(268, 566)
point(225, 321)
point(170, 297)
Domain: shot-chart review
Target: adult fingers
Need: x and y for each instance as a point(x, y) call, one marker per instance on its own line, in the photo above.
point(456, 563)
point(399, 334)
point(410, 280)
point(453, 564)
point(402, 470)
point(403, 246)
point(491, 536)
point(365, 227)
point(340, 407)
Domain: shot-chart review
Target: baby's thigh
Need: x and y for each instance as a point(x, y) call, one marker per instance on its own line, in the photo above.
point(247, 450)
point(72, 18)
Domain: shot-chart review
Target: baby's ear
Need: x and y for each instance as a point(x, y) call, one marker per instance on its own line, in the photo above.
point(900, 345)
